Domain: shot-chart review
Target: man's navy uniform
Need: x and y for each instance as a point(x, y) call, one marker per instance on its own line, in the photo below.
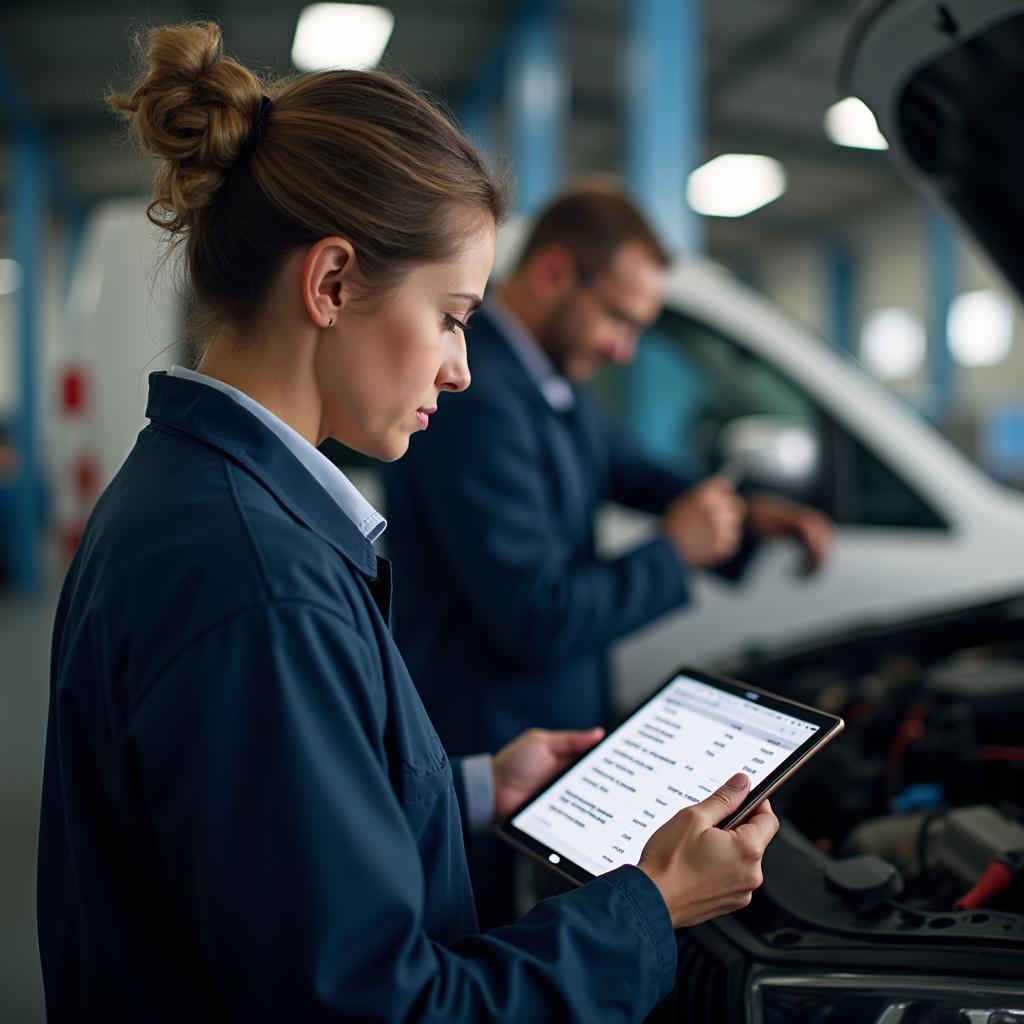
point(247, 815)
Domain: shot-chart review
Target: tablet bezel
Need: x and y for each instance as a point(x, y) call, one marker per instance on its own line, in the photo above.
point(829, 726)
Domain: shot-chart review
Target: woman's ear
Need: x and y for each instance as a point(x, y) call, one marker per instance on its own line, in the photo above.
point(327, 275)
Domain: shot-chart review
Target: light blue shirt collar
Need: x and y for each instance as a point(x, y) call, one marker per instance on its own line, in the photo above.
point(557, 391)
point(368, 520)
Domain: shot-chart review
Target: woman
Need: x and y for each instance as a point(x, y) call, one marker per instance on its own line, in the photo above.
point(246, 813)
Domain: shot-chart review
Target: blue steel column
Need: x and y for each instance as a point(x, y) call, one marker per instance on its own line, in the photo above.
point(942, 275)
point(664, 137)
point(840, 285)
point(30, 172)
point(536, 98)
point(665, 115)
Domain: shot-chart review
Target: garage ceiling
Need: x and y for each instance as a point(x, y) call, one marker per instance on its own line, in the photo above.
point(769, 74)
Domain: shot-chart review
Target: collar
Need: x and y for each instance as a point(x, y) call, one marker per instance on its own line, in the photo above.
point(370, 523)
point(216, 419)
point(557, 391)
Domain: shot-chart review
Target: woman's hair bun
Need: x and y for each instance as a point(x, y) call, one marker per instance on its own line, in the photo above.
point(193, 108)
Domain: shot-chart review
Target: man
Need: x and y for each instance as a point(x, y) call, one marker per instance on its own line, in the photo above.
point(492, 510)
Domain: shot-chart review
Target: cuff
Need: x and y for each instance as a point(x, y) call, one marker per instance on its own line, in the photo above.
point(478, 779)
point(647, 901)
point(682, 571)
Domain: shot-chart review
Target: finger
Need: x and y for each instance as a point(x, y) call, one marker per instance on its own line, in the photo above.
point(760, 828)
point(817, 539)
point(725, 799)
point(735, 525)
point(723, 483)
point(729, 539)
point(738, 505)
point(572, 741)
point(733, 514)
point(824, 536)
point(763, 808)
point(726, 514)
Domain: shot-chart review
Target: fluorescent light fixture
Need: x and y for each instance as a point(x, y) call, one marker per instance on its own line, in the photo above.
point(341, 36)
point(980, 328)
point(10, 276)
point(735, 184)
point(892, 343)
point(851, 123)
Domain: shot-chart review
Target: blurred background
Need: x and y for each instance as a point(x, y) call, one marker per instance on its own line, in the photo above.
point(725, 119)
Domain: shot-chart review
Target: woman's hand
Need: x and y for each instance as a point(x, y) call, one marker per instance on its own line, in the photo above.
point(702, 871)
point(523, 766)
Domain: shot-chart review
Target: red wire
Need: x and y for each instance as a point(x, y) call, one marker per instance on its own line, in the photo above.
point(912, 728)
point(994, 879)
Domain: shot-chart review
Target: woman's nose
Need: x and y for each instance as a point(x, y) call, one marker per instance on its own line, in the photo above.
point(454, 374)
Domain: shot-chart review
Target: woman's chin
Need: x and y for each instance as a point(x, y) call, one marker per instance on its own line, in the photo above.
point(392, 449)
point(383, 449)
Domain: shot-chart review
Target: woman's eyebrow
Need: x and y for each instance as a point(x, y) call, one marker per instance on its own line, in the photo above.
point(474, 300)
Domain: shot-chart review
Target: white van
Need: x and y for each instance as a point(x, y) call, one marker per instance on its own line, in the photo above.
point(727, 379)
point(724, 377)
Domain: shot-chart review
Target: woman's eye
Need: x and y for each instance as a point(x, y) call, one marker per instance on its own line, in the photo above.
point(453, 324)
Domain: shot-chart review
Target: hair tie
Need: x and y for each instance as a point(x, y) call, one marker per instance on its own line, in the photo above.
point(256, 132)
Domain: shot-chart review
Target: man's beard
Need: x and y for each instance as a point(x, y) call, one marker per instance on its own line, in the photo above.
point(556, 335)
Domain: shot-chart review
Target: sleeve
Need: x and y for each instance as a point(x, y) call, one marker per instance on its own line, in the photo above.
point(637, 481)
point(268, 792)
point(474, 787)
point(478, 479)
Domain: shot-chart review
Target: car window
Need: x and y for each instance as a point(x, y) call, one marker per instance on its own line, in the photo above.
point(689, 381)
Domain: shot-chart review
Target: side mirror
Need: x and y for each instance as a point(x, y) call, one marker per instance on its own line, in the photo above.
point(770, 450)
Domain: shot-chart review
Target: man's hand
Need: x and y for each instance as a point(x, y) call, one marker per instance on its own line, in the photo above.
point(706, 523)
point(523, 766)
point(772, 516)
point(702, 871)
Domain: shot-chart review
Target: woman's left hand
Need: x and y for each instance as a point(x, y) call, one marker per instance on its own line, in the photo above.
point(523, 766)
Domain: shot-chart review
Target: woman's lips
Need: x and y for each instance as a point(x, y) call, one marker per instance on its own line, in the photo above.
point(423, 415)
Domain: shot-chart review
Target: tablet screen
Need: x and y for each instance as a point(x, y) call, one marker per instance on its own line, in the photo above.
point(677, 749)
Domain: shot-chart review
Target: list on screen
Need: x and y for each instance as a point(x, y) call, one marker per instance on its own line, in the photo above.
point(675, 751)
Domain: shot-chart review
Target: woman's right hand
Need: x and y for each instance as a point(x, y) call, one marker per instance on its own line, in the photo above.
point(703, 871)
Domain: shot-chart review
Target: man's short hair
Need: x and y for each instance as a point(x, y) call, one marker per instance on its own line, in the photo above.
point(593, 220)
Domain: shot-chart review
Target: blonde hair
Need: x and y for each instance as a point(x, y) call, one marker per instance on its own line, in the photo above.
point(353, 153)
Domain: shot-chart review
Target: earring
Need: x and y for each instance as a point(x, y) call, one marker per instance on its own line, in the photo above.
point(330, 323)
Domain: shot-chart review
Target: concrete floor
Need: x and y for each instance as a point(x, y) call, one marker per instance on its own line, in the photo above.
point(24, 679)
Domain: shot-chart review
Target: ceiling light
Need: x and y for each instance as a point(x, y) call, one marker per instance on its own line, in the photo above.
point(10, 276)
point(851, 123)
point(980, 328)
point(735, 184)
point(892, 343)
point(341, 36)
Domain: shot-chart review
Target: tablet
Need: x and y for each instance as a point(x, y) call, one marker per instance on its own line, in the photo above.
point(676, 749)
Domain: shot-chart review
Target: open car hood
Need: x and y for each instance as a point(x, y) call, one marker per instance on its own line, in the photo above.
point(945, 81)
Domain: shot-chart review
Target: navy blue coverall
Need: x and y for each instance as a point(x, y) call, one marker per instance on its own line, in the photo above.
point(247, 814)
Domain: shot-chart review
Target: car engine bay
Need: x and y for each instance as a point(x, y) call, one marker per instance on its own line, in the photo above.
point(895, 888)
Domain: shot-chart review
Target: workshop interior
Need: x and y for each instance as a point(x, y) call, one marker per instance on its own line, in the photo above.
point(836, 188)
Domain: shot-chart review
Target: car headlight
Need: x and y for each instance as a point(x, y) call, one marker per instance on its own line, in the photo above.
point(880, 999)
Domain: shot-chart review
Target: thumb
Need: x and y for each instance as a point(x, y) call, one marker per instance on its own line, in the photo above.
point(721, 482)
point(567, 742)
point(726, 799)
